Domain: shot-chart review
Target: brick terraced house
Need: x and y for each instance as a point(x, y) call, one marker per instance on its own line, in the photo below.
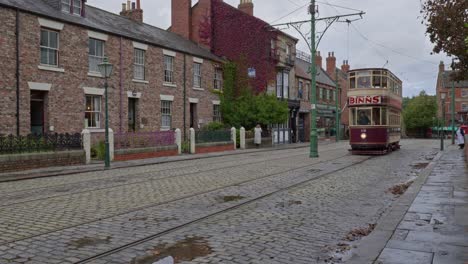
point(236, 34)
point(444, 85)
point(50, 82)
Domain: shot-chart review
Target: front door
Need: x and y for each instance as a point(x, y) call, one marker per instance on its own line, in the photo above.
point(131, 114)
point(37, 113)
point(193, 116)
point(301, 127)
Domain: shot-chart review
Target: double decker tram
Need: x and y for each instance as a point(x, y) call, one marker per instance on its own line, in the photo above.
point(375, 105)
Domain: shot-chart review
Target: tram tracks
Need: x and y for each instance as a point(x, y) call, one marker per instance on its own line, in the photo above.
point(180, 198)
point(125, 172)
point(68, 189)
point(226, 210)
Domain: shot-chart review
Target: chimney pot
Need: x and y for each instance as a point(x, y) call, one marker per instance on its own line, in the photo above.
point(124, 7)
point(133, 6)
point(128, 5)
point(138, 4)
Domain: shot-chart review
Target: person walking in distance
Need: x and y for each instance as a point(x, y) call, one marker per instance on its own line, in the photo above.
point(258, 136)
point(461, 138)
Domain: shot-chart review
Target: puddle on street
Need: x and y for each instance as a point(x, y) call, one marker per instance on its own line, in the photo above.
point(232, 198)
point(185, 250)
point(288, 203)
point(419, 166)
point(89, 241)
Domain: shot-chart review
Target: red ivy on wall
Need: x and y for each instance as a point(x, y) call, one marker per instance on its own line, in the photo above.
point(243, 39)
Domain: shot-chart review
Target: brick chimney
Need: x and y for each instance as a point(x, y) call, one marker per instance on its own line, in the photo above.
point(441, 66)
point(345, 67)
point(331, 64)
point(132, 11)
point(318, 59)
point(247, 7)
point(181, 17)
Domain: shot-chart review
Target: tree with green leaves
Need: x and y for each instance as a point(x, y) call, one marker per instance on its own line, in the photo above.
point(446, 22)
point(419, 113)
point(241, 107)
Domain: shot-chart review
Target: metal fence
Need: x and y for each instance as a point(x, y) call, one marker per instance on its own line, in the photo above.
point(132, 140)
point(36, 143)
point(212, 136)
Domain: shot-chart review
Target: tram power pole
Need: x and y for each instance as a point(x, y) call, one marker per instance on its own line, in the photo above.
point(313, 45)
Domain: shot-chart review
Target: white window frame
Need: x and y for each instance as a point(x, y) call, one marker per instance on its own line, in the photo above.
point(166, 114)
point(50, 49)
point(279, 84)
point(218, 79)
point(92, 111)
point(217, 113)
point(464, 107)
point(79, 8)
point(139, 64)
point(169, 69)
point(464, 93)
point(91, 57)
point(66, 3)
point(285, 85)
point(197, 75)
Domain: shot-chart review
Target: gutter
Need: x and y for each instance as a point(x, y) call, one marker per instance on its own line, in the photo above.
point(17, 75)
point(185, 97)
point(121, 87)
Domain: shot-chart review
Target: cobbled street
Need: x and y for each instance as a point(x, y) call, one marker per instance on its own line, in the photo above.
point(276, 206)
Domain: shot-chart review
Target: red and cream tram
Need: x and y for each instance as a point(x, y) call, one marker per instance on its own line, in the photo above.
point(375, 104)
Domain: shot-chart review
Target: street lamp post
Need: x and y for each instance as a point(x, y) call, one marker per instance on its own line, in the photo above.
point(453, 112)
point(106, 70)
point(442, 95)
point(313, 95)
point(338, 107)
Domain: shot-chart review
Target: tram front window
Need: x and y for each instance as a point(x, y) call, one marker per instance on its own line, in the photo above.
point(376, 116)
point(364, 117)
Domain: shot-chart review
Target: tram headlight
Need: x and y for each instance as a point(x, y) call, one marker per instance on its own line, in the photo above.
point(363, 135)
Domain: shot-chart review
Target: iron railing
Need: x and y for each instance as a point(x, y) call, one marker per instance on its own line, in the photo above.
point(212, 136)
point(132, 140)
point(36, 143)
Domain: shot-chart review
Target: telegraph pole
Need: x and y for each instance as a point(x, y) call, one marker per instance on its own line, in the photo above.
point(313, 69)
point(313, 94)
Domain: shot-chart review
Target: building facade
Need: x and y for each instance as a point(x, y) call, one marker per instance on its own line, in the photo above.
point(51, 82)
point(264, 54)
point(444, 86)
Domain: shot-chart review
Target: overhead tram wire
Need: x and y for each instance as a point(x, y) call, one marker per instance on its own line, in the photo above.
point(290, 13)
point(394, 51)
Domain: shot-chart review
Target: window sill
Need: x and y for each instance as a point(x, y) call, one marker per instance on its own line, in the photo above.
point(96, 130)
point(173, 85)
point(50, 68)
point(140, 81)
point(198, 89)
point(95, 74)
point(165, 129)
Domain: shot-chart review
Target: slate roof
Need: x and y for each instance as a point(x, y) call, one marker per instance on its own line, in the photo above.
point(448, 81)
point(107, 22)
point(303, 71)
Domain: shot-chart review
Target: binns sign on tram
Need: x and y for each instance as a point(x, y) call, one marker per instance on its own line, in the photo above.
point(361, 100)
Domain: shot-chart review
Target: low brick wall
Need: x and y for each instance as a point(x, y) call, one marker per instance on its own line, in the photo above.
point(266, 143)
point(145, 153)
point(214, 147)
point(29, 161)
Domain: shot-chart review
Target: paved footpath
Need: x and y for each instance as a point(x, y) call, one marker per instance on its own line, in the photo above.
point(429, 225)
point(435, 228)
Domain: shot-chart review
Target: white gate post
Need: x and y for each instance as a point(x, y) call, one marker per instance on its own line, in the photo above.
point(111, 144)
point(178, 141)
point(86, 140)
point(233, 137)
point(192, 140)
point(242, 138)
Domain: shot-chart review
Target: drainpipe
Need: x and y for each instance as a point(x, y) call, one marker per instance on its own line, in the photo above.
point(185, 98)
point(121, 87)
point(17, 75)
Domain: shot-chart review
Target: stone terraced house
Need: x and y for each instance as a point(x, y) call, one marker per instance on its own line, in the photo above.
point(50, 82)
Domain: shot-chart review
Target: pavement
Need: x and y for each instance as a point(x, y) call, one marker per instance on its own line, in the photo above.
point(429, 224)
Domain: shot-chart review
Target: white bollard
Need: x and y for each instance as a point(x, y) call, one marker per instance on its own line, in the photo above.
point(86, 140)
point(242, 138)
point(111, 144)
point(178, 140)
point(192, 140)
point(233, 137)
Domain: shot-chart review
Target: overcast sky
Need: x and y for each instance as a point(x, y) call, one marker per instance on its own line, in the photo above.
point(389, 31)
